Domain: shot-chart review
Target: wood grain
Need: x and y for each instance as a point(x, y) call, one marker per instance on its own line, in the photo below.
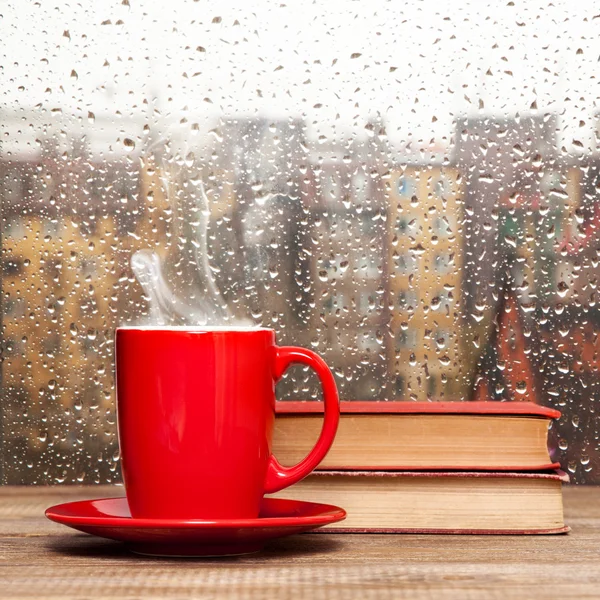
point(40, 559)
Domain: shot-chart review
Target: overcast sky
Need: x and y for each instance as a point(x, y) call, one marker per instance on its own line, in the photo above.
point(337, 63)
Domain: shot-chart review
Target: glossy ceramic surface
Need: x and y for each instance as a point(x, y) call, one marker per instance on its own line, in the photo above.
point(110, 518)
point(195, 417)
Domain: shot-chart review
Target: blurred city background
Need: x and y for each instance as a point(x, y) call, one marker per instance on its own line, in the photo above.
point(415, 196)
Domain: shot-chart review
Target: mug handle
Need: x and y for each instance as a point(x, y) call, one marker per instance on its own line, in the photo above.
point(278, 476)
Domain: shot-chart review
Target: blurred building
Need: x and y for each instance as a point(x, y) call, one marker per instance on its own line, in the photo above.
point(63, 226)
point(425, 261)
point(567, 324)
point(503, 162)
point(494, 154)
point(346, 273)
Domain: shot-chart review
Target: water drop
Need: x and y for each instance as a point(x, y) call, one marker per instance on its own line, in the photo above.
point(562, 289)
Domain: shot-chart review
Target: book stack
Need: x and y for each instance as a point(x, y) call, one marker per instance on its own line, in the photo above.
point(445, 467)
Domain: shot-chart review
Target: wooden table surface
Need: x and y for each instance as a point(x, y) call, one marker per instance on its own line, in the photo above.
point(40, 559)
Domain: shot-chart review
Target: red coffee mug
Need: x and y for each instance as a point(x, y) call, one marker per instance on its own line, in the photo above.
point(195, 416)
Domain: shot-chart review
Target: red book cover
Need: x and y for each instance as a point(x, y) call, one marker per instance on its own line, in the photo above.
point(287, 407)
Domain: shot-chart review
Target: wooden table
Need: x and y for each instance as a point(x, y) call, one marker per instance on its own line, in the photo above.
point(40, 559)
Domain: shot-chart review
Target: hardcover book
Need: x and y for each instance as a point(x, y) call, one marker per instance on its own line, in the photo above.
point(439, 502)
point(467, 436)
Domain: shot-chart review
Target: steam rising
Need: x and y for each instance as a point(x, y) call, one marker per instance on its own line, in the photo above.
point(181, 289)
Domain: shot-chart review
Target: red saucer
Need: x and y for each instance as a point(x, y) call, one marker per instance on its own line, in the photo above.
point(110, 518)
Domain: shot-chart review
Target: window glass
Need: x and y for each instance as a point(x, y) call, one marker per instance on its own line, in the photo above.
point(390, 185)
